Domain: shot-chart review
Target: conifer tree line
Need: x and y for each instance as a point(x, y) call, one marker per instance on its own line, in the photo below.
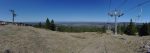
point(133, 29)
point(128, 29)
point(62, 28)
point(48, 25)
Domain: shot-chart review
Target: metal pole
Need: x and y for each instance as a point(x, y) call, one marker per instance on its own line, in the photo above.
point(13, 16)
point(13, 20)
point(115, 25)
point(116, 14)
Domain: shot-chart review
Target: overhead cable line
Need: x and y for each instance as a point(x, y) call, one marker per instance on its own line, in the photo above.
point(122, 4)
point(139, 15)
point(138, 5)
point(116, 14)
point(109, 7)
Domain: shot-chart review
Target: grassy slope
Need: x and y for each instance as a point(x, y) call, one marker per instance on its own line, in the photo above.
point(20, 39)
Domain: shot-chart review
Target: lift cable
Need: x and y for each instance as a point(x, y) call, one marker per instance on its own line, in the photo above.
point(139, 15)
point(109, 7)
point(138, 5)
point(122, 4)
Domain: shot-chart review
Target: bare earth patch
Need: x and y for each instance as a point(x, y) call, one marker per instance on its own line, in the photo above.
point(21, 39)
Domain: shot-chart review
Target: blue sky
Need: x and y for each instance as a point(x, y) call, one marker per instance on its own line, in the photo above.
point(72, 10)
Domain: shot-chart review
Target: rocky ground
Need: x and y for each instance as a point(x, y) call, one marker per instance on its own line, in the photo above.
point(26, 39)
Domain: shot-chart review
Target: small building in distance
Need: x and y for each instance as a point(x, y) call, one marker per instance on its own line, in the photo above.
point(3, 23)
point(16, 23)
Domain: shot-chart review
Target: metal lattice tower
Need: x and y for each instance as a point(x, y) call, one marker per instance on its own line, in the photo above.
point(14, 15)
point(115, 13)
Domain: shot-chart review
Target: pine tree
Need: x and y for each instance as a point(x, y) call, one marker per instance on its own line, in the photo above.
point(52, 25)
point(47, 24)
point(144, 30)
point(40, 25)
point(149, 28)
point(131, 29)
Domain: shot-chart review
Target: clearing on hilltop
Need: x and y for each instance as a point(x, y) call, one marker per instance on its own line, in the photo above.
point(26, 39)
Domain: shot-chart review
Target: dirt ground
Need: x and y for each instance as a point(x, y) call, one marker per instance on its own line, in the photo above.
point(26, 39)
